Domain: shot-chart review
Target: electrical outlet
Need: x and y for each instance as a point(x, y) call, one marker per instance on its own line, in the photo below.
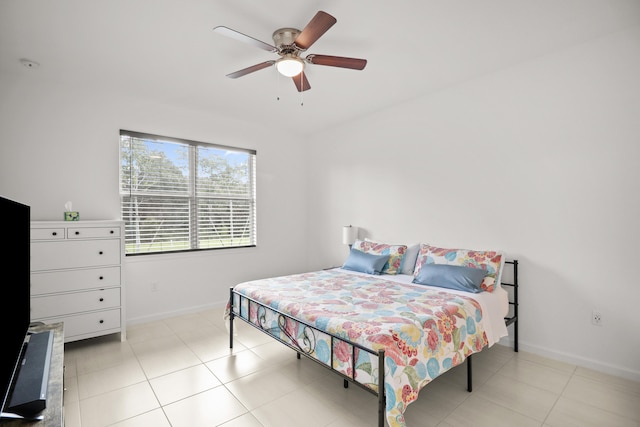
point(596, 318)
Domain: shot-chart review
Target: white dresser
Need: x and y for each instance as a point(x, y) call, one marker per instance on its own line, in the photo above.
point(77, 277)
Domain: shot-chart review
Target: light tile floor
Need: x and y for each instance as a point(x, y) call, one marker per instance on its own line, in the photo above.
point(180, 372)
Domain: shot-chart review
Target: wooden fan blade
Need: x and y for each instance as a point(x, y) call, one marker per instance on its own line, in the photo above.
point(314, 30)
point(337, 61)
point(251, 69)
point(301, 82)
point(245, 38)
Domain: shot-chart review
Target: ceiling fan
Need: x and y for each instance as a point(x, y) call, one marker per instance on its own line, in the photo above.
point(290, 43)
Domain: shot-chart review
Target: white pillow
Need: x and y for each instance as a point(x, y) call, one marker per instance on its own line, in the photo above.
point(410, 258)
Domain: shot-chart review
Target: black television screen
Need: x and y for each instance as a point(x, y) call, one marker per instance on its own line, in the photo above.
point(14, 288)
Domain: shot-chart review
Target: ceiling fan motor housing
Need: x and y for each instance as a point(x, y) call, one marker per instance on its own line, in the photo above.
point(283, 38)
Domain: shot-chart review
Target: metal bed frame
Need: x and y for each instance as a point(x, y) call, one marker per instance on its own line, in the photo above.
point(307, 346)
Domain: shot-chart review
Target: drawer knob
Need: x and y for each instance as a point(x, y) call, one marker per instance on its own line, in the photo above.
point(54, 233)
point(101, 321)
point(100, 252)
point(77, 232)
point(111, 231)
point(101, 277)
point(101, 299)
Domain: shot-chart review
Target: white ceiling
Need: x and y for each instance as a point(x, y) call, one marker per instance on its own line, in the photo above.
point(166, 51)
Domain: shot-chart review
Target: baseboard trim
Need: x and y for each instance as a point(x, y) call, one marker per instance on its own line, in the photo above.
point(173, 313)
point(596, 365)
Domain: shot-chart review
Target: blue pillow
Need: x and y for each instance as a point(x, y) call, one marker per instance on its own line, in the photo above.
point(457, 277)
point(364, 262)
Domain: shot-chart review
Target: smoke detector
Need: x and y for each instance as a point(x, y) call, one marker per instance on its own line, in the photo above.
point(29, 64)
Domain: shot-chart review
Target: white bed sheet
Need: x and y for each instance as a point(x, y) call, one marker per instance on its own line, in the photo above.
point(495, 305)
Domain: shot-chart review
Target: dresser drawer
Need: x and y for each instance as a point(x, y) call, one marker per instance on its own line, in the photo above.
point(74, 254)
point(49, 282)
point(47, 234)
point(92, 232)
point(63, 304)
point(88, 324)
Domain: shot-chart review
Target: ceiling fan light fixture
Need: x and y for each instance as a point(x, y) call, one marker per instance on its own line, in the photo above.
point(289, 65)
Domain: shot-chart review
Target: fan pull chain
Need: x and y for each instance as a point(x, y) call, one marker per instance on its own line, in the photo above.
point(277, 86)
point(302, 88)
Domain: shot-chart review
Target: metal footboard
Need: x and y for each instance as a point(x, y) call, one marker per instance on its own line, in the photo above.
point(306, 347)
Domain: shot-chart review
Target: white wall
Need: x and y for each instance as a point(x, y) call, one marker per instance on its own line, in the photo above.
point(60, 143)
point(541, 160)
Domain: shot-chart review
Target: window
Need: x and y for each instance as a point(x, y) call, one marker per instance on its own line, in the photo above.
point(179, 195)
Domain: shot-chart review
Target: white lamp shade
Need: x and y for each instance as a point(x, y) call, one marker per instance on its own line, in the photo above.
point(349, 234)
point(289, 66)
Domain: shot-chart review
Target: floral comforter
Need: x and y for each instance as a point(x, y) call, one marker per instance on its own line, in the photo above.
point(424, 332)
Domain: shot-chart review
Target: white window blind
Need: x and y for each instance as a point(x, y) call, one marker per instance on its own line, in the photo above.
point(179, 195)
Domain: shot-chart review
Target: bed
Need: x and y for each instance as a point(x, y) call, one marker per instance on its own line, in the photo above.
point(391, 330)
